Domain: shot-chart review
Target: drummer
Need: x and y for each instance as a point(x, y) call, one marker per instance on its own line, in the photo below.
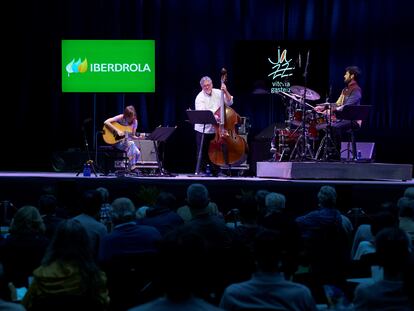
point(350, 95)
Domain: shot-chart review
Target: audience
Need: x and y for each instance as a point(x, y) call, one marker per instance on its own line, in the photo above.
point(406, 216)
point(326, 235)
point(409, 193)
point(267, 289)
point(363, 232)
point(181, 273)
point(4, 304)
point(264, 257)
point(128, 255)
point(105, 212)
point(277, 217)
point(47, 207)
point(185, 212)
point(68, 270)
point(379, 221)
point(90, 209)
point(24, 248)
point(127, 237)
point(221, 249)
point(162, 216)
point(388, 294)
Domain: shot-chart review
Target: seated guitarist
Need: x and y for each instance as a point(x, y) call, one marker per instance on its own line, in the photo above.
point(123, 127)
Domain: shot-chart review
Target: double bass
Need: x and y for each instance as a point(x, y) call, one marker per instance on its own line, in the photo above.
point(227, 147)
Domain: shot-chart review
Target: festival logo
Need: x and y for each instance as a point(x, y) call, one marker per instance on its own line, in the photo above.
point(281, 70)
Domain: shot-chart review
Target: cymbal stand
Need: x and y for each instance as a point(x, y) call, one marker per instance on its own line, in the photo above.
point(302, 149)
point(327, 143)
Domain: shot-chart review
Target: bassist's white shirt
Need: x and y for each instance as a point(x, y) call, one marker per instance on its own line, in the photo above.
point(209, 102)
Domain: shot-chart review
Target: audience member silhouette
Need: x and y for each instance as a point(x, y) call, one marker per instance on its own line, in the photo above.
point(406, 216)
point(277, 217)
point(260, 198)
point(7, 211)
point(409, 193)
point(127, 237)
point(68, 274)
point(219, 239)
point(268, 289)
point(181, 273)
point(363, 231)
point(90, 208)
point(387, 294)
point(326, 215)
point(185, 212)
point(127, 255)
point(25, 247)
point(48, 204)
point(163, 216)
point(249, 213)
point(327, 242)
point(5, 298)
point(105, 212)
point(379, 221)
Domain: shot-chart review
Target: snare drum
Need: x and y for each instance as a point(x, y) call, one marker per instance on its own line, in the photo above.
point(298, 115)
point(313, 124)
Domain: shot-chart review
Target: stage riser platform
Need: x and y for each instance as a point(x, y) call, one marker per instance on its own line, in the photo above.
point(334, 170)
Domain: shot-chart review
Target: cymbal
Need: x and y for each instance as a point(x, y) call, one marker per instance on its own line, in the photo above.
point(300, 90)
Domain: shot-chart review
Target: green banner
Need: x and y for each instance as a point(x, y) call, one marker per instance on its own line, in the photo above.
point(114, 66)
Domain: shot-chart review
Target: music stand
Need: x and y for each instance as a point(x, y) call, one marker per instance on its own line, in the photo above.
point(200, 117)
point(160, 134)
point(353, 113)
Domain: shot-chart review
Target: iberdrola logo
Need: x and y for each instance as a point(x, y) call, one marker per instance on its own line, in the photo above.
point(76, 67)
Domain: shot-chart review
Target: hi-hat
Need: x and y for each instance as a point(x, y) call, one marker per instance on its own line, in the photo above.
point(300, 90)
point(327, 105)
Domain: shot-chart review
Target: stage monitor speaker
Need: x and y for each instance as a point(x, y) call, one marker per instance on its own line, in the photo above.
point(367, 150)
point(68, 161)
point(148, 153)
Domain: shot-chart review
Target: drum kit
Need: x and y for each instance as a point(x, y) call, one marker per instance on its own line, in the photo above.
point(298, 140)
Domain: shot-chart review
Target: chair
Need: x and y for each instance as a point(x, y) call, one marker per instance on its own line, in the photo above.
point(353, 113)
point(114, 160)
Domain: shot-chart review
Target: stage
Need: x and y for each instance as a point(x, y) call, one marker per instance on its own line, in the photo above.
point(335, 170)
point(23, 188)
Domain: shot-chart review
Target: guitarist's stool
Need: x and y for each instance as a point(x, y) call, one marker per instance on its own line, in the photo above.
point(115, 160)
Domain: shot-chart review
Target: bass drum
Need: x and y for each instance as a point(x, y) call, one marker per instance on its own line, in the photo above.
point(283, 143)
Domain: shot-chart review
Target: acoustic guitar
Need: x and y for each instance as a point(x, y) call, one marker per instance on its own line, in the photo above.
point(111, 137)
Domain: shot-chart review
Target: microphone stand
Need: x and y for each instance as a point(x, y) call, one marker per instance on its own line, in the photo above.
point(89, 161)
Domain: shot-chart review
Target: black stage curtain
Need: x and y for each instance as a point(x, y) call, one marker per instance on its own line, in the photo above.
point(195, 38)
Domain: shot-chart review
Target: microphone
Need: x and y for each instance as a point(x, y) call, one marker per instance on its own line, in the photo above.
point(328, 96)
point(299, 61)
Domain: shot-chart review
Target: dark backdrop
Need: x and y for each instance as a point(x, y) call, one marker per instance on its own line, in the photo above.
point(196, 38)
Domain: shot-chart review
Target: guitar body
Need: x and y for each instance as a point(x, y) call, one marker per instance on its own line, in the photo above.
point(111, 137)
